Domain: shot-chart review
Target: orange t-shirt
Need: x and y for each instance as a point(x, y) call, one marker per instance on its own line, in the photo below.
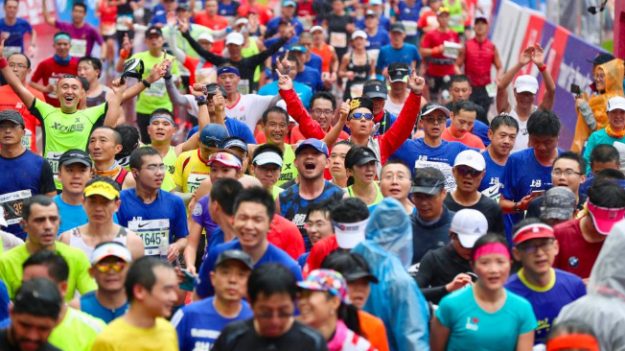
point(469, 139)
point(373, 330)
point(326, 56)
point(10, 101)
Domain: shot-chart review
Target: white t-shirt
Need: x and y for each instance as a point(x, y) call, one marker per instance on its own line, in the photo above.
point(249, 109)
point(522, 137)
point(392, 107)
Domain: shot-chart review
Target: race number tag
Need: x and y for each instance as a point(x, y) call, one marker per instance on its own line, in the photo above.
point(53, 160)
point(124, 22)
point(194, 180)
point(26, 139)
point(153, 232)
point(78, 48)
point(338, 40)
point(13, 203)
point(411, 27)
point(244, 86)
point(450, 182)
point(373, 54)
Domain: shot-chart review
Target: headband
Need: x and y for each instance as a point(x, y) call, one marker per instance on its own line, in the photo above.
point(162, 116)
point(228, 69)
point(491, 248)
point(573, 341)
point(62, 36)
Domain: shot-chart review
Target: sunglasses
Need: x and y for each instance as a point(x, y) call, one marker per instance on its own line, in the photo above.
point(111, 266)
point(468, 171)
point(360, 115)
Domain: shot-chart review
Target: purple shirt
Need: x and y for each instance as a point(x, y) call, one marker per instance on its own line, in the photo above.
point(202, 216)
point(83, 38)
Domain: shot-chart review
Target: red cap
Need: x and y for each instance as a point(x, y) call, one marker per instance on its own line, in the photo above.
point(605, 218)
point(532, 231)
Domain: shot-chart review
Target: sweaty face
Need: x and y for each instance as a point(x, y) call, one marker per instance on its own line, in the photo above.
point(395, 181)
point(30, 332)
point(251, 224)
point(460, 91)
point(102, 145)
point(276, 127)
point(310, 163)
point(273, 314)
point(70, 92)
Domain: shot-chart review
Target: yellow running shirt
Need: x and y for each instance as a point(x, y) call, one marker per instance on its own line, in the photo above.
point(122, 336)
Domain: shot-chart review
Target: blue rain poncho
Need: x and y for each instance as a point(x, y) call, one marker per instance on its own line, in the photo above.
point(396, 299)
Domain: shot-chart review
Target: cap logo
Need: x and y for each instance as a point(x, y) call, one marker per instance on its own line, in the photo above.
point(354, 104)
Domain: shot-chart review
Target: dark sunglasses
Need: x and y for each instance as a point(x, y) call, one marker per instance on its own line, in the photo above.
point(360, 115)
point(468, 171)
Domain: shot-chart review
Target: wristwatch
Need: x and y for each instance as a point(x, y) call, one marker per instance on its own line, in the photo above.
point(201, 100)
point(146, 83)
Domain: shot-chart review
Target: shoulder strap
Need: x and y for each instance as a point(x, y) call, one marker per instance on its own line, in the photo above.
point(121, 176)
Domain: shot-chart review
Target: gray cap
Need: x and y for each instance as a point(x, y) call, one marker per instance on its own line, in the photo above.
point(235, 255)
point(12, 116)
point(428, 180)
point(558, 203)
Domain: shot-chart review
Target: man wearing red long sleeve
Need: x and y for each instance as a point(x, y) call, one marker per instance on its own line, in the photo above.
point(361, 128)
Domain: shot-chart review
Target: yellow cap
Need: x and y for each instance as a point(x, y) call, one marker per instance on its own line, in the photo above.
point(442, 10)
point(103, 189)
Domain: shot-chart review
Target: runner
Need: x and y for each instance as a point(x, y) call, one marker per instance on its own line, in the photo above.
point(104, 144)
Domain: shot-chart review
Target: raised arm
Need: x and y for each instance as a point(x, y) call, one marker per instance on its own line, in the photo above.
point(114, 109)
point(25, 95)
point(51, 20)
point(262, 56)
point(402, 128)
point(207, 55)
point(335, 131)
point(158, 72)
point(502, 103)
point(550, 86)
point(203, 118)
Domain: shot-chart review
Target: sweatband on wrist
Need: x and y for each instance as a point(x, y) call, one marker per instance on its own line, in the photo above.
point(542, 68)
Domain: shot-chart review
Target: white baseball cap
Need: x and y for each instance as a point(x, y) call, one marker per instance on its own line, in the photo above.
point(206, 36)
point(241, 20)
point(267, 158)
point(471, 158)
point(359, 34)
point(348, 235)
point(470, 225)
point(526, 83)
point(3, 221)
point(235, 38)
point(616, 103)
point(108, 249)
point(317, 29)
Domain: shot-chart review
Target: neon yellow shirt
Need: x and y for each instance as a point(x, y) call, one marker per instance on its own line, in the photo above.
point(378, 196)
point(275, 191)
point(122, 336)
point(77, 331)
point(65, 131)
point(190, 171)
point(289, 172)
point(456, 20)
point(170, 162)
point(79, 279)
point(156, 95)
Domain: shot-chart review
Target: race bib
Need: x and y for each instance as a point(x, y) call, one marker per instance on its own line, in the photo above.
point(78, 48)
point(26, 139)
point(244, 86)
point(491, 90)
point(451, 49)
point(52, 81)
point(450, 182)
point(13, 204)
point(157, 89)
point(194, 180)
point(338, 40)
point(124, 22)
point(108, 29)
point(53, 160)
point(154, 233)
point(455, 20)
point(411, 27)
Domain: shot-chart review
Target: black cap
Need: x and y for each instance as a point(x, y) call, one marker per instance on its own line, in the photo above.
point(211, 89)
point(359, 102)
point(428, 180)
point(398, 72)
point(351, 266)
point(601, 59)
point(358, 156)
point(431, 107)
point(398, 27)
point(183, 6)
point(375, 89)
point(153, 30)
point(12, 116)
point(235, 255)
point(70, 157)
point(39, 297)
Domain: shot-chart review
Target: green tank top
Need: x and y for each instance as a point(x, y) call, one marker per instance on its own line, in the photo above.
point(169, 160)
point(289, 172)
point(251, 50)
point(456, 22)
point(378, 196)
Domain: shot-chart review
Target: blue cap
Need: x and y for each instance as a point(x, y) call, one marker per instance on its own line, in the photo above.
point(299, 48)
point(228, 69)
point(289, 3)
point(213, 135)
point(316, 144)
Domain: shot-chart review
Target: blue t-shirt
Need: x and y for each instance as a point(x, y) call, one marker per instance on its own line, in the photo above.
point(471, 328)
point(310, 77)
point(72, 216)
point(22, 177)
point(294, 208)
point(383, 23)
point(4, 301)
point(379, 40)
point(416, 153)
point(492, 177)
point(407, 54)
point(304, 92)
point(165, 218)
point(274, 23)
point(315, 62)
point(16, 33)
point(548, 301)
point(409, 15)
point(281, 52)
point(235, 128)
point(273, 254)
point(199, 324)
point(522, 175)
point(228, 10)
point(90, 304)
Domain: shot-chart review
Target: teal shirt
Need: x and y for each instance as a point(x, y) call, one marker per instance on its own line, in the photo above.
point(597, 138)
point(473, 329)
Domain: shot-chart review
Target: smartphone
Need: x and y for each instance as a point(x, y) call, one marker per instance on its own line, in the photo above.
point(473, 276)
point(536, 193)
point(575, 89)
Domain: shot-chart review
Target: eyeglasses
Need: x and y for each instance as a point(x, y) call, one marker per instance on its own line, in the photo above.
point(272, 314)
point(567, 172)
point(434, 120)
point(154, 168)
point(111, 266)
point(319, 112)
point(360, 115)
point(463, 171)
point(531, 249)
